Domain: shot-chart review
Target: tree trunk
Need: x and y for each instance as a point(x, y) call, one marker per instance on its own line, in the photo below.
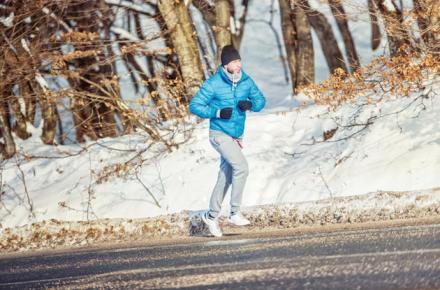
point(429, 23)
point(28, 54)
point(82, 118)
point(326, 37)
point(298, 42)
point(20, 127)
point(396, 33)
point(176, 18)
point(341, 19)
point(305, 56)
point(222, 26)
point(237, 36)
point(192, 42)
point(48, 111)
point(376, 36)
point(93, 116)
point(106, 72)
point(5, 130)
point(207, 9)
point(290, 42)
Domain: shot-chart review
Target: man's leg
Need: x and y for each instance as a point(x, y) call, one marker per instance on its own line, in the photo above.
point(232, 154)
point(221, 187)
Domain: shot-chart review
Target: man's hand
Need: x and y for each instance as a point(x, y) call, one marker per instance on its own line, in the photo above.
point(244, 105)
point(225, 113)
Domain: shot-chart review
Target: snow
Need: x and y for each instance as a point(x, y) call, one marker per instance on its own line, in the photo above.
point(7, 21)
point(288, 160)
point(291, 166)
point(52, 15)
point(132, 6)
point(124, 33)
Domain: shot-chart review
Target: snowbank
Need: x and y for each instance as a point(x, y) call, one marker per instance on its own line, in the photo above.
point(373, 207)
point(389, 146)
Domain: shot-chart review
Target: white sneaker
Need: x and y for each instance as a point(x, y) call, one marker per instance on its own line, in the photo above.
point(239, 220)
point(212, 224)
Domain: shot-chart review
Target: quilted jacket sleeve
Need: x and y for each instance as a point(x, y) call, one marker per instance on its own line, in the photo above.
point(257, 98)
point(200, 103)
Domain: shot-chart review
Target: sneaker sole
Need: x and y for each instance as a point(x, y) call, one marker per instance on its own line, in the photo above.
point(239, 225)
point(204, 220)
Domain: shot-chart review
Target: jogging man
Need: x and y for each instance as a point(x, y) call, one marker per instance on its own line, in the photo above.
point(224, 99)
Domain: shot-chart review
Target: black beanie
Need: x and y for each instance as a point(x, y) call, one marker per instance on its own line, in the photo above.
point(229, 53)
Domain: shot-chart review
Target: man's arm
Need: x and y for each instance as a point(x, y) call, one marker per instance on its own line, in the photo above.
point(199, 104)
point(257, 98)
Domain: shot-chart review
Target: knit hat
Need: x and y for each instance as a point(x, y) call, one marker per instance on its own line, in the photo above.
point(229, 53)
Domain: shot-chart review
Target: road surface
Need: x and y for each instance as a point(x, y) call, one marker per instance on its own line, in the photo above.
point(396, 257)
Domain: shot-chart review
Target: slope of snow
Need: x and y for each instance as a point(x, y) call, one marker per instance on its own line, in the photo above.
point(288, 160)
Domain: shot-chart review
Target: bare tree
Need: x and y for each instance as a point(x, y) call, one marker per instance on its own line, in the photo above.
point(5, 129)
point(222, 24)
point(298, 42)
point(71, 42)
point(323, 29)
point(341, 19)
point(239, 23)
point(397, 34)
point(375, 30)
point(96, 119)
point(428, 19)
point(177, 20)
point(288, 25)
point(226, 25)
point(304, 50)
point(78, 43)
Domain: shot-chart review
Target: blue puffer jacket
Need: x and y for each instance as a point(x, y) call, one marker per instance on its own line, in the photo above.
point(218, 92)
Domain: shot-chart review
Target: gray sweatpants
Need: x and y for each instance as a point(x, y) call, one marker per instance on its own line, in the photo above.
point(233, 171)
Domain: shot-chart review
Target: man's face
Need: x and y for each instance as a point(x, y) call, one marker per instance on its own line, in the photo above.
point(234, 66)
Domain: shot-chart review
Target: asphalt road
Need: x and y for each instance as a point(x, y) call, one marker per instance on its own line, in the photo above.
point(404, 257)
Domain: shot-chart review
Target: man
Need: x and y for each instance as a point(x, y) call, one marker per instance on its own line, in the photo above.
point(224, 99)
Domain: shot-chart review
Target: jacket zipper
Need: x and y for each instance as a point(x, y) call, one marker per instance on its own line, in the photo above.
point(234, 89)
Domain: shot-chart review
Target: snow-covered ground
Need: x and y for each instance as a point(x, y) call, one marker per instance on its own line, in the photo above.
point(288, 158)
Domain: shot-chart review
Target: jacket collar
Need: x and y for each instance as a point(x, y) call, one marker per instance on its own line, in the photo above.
point(225, 77)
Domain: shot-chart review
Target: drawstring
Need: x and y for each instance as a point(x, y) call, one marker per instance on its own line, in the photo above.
point(239, 143)
point(234, 82)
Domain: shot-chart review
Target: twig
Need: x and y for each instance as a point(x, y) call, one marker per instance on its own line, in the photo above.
point(64, 205)
point(9, 43)
point(1, 176)
point(131, 6)
point(369, 122)
point(83, 149)
point(160, 177)
point(148, 190)
point(4, 205)
point(294, 154)
point(325, 183)
point(2, 192)
point(23, 179)
point(21, 200)
point(56, 18)
point(90, 191)
point(115, 149)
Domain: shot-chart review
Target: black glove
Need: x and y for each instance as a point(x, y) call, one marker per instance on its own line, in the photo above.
point(226, 113)
point(245, 105)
